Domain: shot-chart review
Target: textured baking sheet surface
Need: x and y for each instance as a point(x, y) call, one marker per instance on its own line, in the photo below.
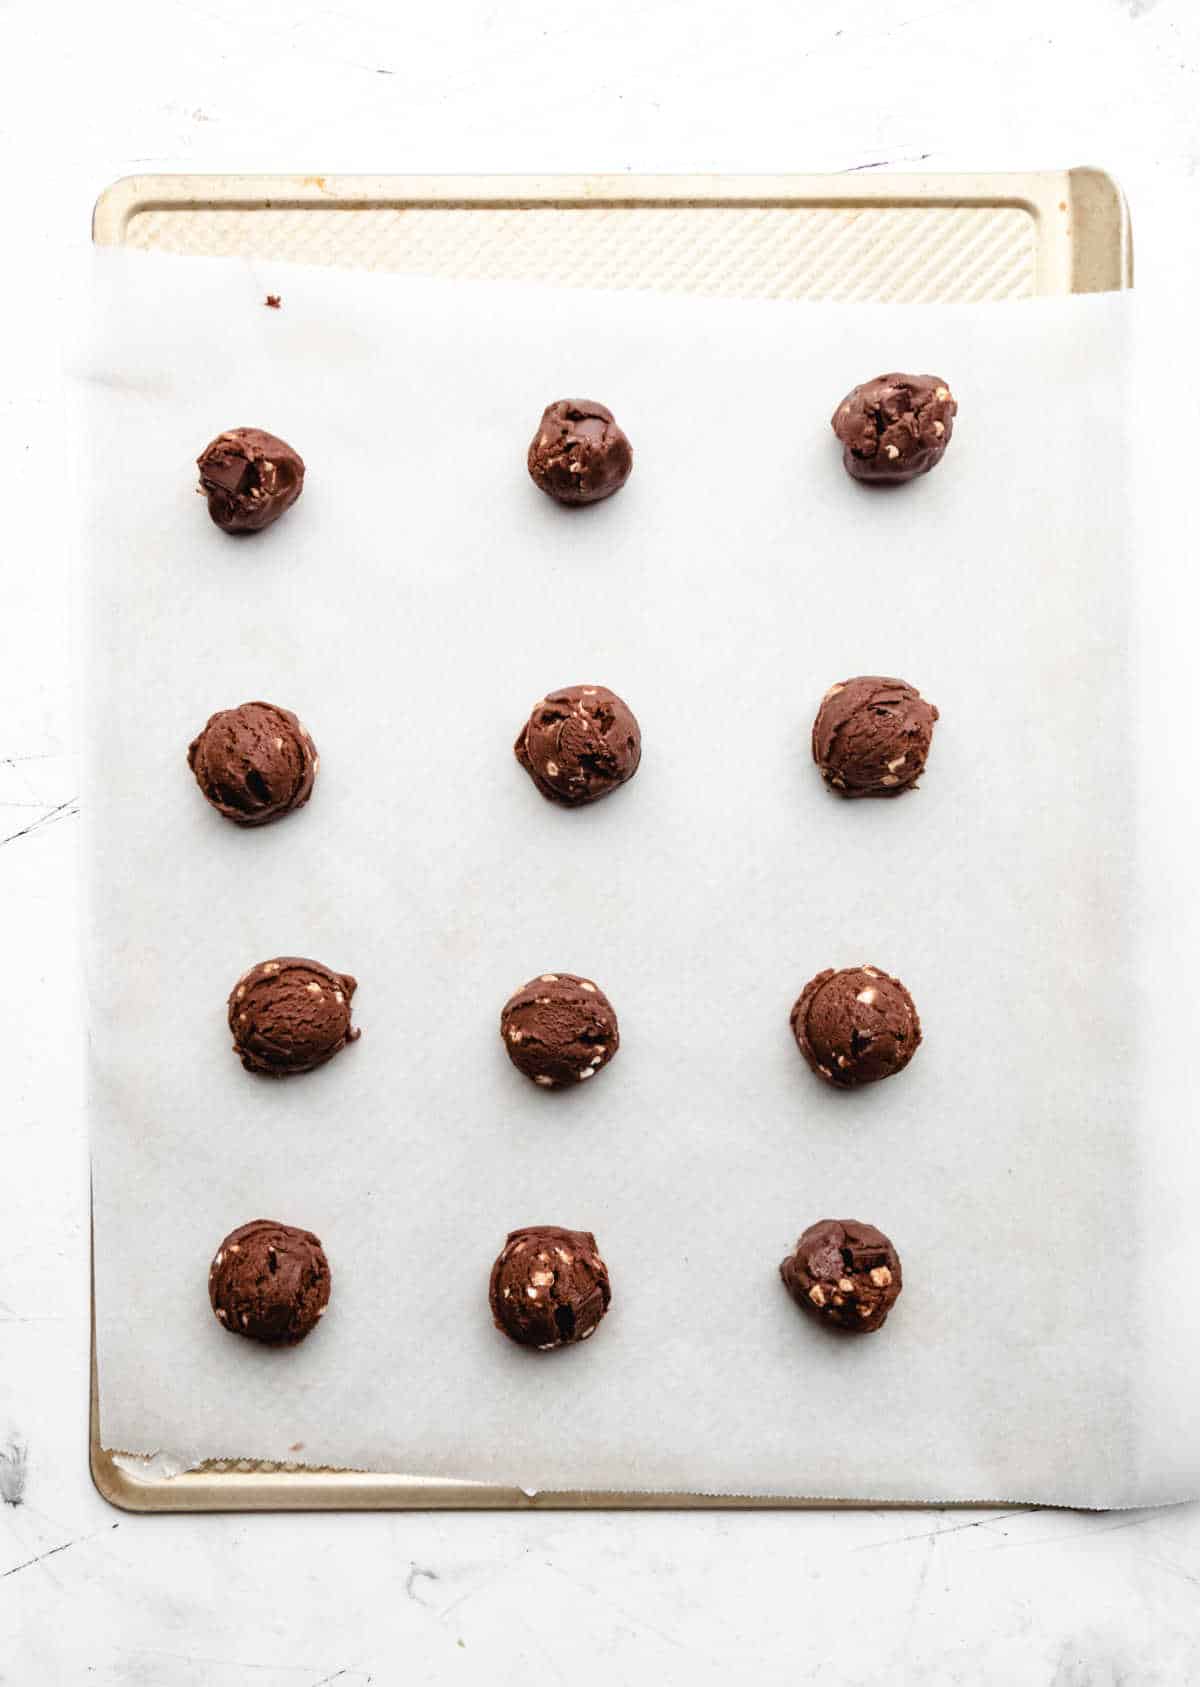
point(412, 607)
point(887, 237)
point(898, 252)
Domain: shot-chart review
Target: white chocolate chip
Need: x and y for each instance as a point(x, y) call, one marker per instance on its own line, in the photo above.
point(235, 1247)
point(549, 978)
point(271, 968)
point(881, 1276)
point(893, 451)
point(590, 1331)
point(563, 1255)
point(314, 989)
point(842, 1061)
point(588, 1072)
point(845, 1285)
point(552, 769)
point(939, 428)
point(864, 1311)
point(338, 997)
point(241, 991)
point(589, 691)
point(942, 393)
point(545, 1346)
point(222, 1314)
point(584, 985)
point(219, 1257)
point(870, 972)
point(866, 996)
point(595, 1060)
point(532, 1293)
point(838, 1300)
point(889, 779)
point(824, 1071)
point(514, 1036)
point(245, 1320)
point(898, 762)
point(817, 1295)
point(508, 1294)
point(279, 743)
point(546, 1083)
point(541, 1278)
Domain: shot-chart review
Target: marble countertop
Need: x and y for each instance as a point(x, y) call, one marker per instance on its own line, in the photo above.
point(850, 1598)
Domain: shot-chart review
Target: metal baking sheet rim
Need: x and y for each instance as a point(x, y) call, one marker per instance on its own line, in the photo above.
point(1091, 252)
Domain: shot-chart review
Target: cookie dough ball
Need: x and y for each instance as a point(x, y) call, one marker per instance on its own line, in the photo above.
point(895, 427)
point(579, 744)
point(549, 1287)
point(290, 1015)
point(844, 1274)
point(559, 1029)
point(856, 1025)
point(269, 1282)
point(872, 736)
point(249, 478)
point(579, 454)
point(254, 763)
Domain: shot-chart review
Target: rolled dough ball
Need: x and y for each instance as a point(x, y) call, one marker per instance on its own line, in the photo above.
point(578, 454)
point(559, 1029)
point(895, 427)
point(549, 1287)
point(871, 737)
point(855, 1025)
point(579, 744)
point(249, 478)
point(254, 763)
point(270, 1282)
point(290, 1015)
point(844, 1274)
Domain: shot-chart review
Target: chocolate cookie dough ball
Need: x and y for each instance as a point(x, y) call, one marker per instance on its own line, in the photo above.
point(254, 763)
point(269, 1282)
point(872, 736)
point(579, 744)
point(290, 1015)
point(249, 478)
point(856, 1025)
point(549, 1287)
point(579, 454)
point(844, 1274)
point(895, 427)
point(559, 1029)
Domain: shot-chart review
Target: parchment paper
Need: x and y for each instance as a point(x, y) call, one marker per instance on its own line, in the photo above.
point(1032, 1165)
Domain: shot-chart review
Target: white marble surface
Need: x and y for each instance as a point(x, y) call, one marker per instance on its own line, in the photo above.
point(87, 94)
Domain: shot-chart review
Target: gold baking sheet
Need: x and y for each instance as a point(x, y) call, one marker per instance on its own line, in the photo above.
point(897, 238)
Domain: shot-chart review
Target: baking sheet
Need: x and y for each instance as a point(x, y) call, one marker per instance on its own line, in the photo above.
point(411, 609)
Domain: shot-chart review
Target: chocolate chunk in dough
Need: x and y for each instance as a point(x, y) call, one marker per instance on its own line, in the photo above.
point(856, 1025)
point(269, 1282)
point(579, 454)
point(579, 744)
point(249, 478)
point(871, 737)
point(895, 427)
point(844, 1274)
point(549, 1286)
point(290, 1015)
point(254, 763)
point(559, 1029)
